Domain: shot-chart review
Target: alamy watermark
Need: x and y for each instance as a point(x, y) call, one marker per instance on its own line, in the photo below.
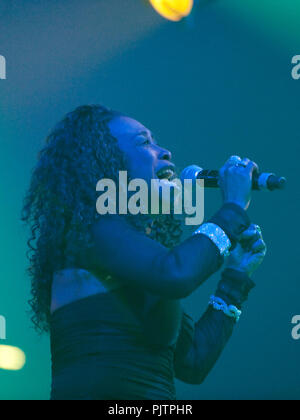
point(2, 67)
point(296, 68)
point(164, 197)
point(2, 328)
point(296, 329)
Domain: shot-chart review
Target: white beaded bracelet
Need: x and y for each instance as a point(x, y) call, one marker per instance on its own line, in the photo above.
point(229, 310)
point(217, 236)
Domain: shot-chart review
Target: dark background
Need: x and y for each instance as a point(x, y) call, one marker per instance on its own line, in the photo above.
point(214, 85)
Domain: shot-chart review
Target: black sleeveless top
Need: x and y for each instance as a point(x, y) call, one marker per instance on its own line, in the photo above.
point(125, 344)
point(104, 347)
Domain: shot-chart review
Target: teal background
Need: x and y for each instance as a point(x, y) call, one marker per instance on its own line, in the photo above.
point(214, 85)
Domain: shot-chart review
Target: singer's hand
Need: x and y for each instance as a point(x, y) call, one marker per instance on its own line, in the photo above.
point(236, 181)
point(250, 251)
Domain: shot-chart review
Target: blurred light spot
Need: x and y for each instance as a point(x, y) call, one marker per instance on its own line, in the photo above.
point(11, 358)
point(174, 10)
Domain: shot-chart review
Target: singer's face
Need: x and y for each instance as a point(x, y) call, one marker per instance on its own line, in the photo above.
point(145, 158)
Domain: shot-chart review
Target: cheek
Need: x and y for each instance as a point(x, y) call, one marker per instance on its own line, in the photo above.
point(142, 166)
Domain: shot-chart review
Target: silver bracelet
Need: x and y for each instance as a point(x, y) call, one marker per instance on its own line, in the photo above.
point(217, 235)
point(229, 310)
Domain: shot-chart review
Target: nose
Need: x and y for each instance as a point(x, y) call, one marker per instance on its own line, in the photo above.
point(165, 154)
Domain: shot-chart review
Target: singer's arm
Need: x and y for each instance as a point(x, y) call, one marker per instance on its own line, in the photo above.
point(133, 258)
point(200, 344)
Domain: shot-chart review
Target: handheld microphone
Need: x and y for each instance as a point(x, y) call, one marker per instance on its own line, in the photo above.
point(261, 181)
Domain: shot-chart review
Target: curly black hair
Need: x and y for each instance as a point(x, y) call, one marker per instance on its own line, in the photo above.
point(59, 206)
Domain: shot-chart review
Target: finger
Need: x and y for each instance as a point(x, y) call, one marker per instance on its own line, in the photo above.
point(250, 237)
point(251, 229)
point(248, 166)
point(250, 241)
point(250, 232)
point(248, 245)
point(252, 167)
point(244, 162)
point(259, 247)
point(258, 229)
point(233, 160)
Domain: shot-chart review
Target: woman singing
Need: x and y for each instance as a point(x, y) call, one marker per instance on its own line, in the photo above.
point(108, 288)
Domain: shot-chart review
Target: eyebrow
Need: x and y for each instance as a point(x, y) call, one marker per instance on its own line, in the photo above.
point(146, 133)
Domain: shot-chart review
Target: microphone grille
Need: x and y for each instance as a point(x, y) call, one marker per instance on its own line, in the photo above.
point(191, 172)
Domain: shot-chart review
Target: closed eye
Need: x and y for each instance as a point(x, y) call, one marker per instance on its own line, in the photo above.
point(146, 141)
point(153, 141)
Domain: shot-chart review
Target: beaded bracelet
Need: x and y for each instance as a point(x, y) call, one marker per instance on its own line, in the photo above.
point(231, 310)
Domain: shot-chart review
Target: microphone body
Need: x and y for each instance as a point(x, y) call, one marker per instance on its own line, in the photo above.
point(261, 181)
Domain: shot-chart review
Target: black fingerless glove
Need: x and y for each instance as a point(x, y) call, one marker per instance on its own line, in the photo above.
point(234, 287)
point(233, 220)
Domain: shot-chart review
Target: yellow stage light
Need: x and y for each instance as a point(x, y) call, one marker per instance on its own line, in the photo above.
point(11, 358)
point(174, 10)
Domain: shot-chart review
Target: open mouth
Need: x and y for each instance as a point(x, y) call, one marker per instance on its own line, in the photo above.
point(166, 173)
